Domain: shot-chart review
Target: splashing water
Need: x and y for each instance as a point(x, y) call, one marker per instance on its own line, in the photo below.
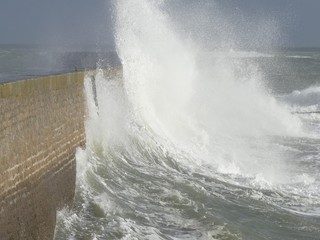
point(194, 107)
point(189, 144)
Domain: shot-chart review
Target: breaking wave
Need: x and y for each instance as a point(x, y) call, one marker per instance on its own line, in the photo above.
point(185, 146)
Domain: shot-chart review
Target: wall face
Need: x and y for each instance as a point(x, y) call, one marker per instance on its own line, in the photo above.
point(41, 125)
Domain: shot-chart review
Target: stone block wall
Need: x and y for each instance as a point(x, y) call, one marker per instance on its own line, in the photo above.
point(41, 126)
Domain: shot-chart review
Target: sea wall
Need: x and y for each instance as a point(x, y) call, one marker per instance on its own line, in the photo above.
point(41, 126)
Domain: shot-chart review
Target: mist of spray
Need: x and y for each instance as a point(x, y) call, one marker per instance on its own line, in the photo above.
point(212, 106)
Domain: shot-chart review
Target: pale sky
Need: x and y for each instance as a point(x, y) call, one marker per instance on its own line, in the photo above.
point(88, 22)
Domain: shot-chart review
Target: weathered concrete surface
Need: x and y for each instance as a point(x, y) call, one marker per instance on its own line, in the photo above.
point(41, 125)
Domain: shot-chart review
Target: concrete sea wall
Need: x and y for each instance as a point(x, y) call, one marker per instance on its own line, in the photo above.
point(41, 126)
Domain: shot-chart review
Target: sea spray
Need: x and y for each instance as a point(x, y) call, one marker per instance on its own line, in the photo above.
point(159, 85)
point(189, 144)
point(194, 104)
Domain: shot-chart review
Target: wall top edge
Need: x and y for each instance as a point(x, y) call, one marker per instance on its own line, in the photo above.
point(47, 83)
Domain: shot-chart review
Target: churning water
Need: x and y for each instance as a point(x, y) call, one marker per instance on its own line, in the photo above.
point(194, 144)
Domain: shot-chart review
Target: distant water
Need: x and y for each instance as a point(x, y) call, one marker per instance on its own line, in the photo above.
point(26, 61)
point(197, 144)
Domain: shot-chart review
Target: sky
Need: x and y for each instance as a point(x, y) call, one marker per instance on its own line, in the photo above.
point(89, 22)
point(55, 22)
point(299, 20)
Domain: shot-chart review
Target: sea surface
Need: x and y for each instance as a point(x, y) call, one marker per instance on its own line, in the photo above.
point(242, 161)
point(18, 61)
point(193, 143)
point(197, 143)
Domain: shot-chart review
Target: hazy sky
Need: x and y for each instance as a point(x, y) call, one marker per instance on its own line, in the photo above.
point(56, 22)
point(81, 22)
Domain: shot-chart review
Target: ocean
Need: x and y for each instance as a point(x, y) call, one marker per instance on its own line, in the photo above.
point(19, 61)
point(235, 155)
point(193, 143)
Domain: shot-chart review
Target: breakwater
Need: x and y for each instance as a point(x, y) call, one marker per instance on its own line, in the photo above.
point(41, 126)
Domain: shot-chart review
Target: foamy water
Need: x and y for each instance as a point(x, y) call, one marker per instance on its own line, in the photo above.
point(189, 144)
